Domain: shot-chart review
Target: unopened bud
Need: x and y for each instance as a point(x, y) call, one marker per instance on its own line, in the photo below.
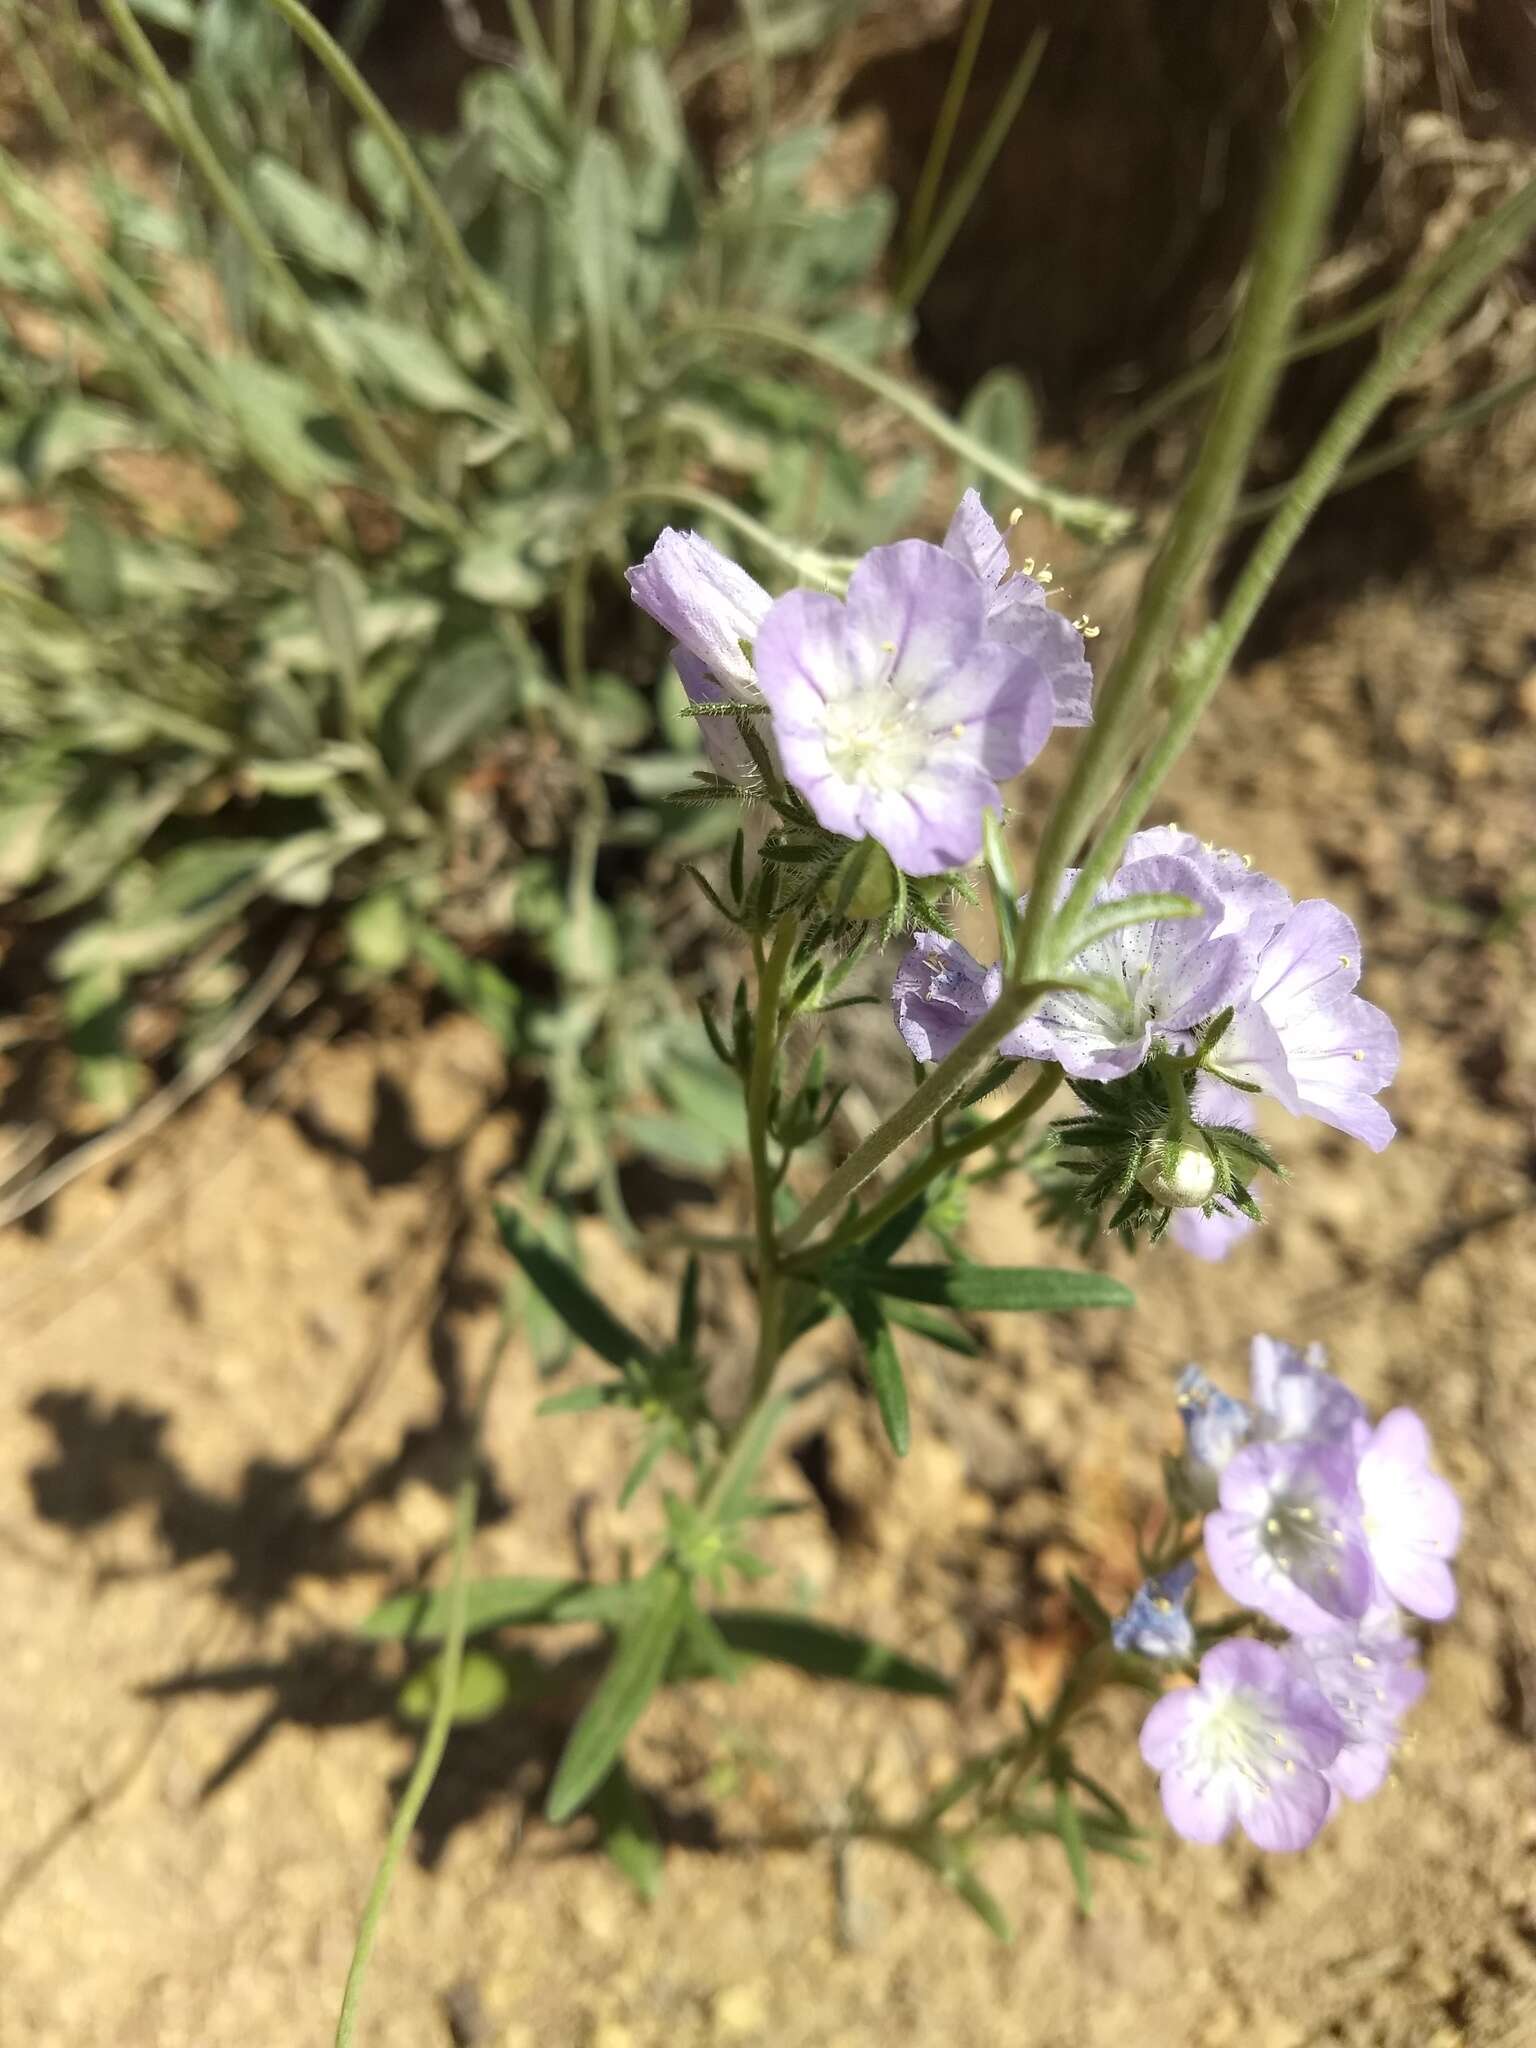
point(863, 884)
point(1180, 1175)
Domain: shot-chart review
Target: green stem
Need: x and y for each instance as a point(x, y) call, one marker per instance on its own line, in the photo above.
point(594, 73)
point(170, 107)
point(942, 1085)
point(1296, 210)
point(503, 320)
point(435, 1741)
point(930, 1166)
point(927, 192)
point(1315, 342)
point(1468, 412)
point(1479, 252)
point(920, 271)
point(765, 1050)
point(525, 24)
point(1089, 516)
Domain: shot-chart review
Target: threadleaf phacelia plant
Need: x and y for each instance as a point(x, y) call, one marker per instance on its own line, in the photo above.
point(870, 724)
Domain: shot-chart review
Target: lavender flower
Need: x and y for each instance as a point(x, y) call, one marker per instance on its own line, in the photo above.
point(1298, 1400)
point(1251, 1743)
point(938, 994)
point(1157, 981)
point(1019, 612)
point(1370, 1676)
point(1288, 971)
point(1305, 1038)
point(1411, 1516)
point(896, 715)
point(713, 609)
point(1157, 1623)
point(1288, 1539)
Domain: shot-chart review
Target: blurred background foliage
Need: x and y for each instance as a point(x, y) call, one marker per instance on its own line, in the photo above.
point(311, 441)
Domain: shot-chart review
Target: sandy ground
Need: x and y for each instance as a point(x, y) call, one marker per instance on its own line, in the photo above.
point(235, 1381)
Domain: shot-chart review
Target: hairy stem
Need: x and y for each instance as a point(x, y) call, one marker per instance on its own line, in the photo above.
point(765, 1049)
point(1296, 210)
point(939, 1160)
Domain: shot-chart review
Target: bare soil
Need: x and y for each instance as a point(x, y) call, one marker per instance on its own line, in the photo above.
point(237, 1377)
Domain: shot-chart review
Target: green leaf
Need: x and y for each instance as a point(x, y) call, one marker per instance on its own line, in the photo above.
point(582, 1400)
point(89, 574)
point(73, 433)
point(457, 699)
point(380, 932)
point(675, 1141)
point(327, 235)
point(485, 1686)
point(497, 1603)
point(885, 1377)
point(475, 985)
point(602, 249)
point(826, 1652)
point(1041, 1288)
point(339, 594)
point(1070, 1827)
point(379, 175)
point(627, 1832)
point(95, 1008)
point(969, 1887)
point(272, 409)
point(567, 1293)
point(414, 364)
point(637, 1668)
point(907, 1315)
point(1002, 414)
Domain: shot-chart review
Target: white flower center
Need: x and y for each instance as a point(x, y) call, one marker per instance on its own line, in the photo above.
point(874, 738)
point(1241, 1735)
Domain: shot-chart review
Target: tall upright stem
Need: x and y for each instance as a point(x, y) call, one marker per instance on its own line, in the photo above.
point(765, 1048)
point(1295, 214)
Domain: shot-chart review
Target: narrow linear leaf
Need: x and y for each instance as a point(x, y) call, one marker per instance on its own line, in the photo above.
point(938, 1329)
point(567, 1293)
point(885, 1376)
point(582, 1400)
point(636, 1670)
point(1070, 1827)
point(826, 1652)
point(1113, 917)
point(628, 1833)
point(499, 1602)
point(1039, 1288)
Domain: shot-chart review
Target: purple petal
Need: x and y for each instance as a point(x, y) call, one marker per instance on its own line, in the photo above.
point(703, 598)
point(1188, 973)
point(723, 744)
point(1412, 1516)
point(1166, 1726)
point(1240, 1661)
point(1312, 961)
point(1021, 619)
point(975, 539)
point(1251, 1050)
point(1360, 1769)
point(1290, 1814)
point(933, 824)
point(1210, 1237)
point(1215, 1102)
point(994, 709)
point(1199, 1805)
point(937, 995)
point(1338, 1059)
point(1253, 903)
point(802, 654)
point(913, 611)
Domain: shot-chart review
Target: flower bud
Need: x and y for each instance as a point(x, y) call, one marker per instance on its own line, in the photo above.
point(863, 884)
point(1178, 1174)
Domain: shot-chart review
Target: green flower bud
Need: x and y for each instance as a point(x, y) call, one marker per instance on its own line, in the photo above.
point(863, 884)
point(1178, 1173)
